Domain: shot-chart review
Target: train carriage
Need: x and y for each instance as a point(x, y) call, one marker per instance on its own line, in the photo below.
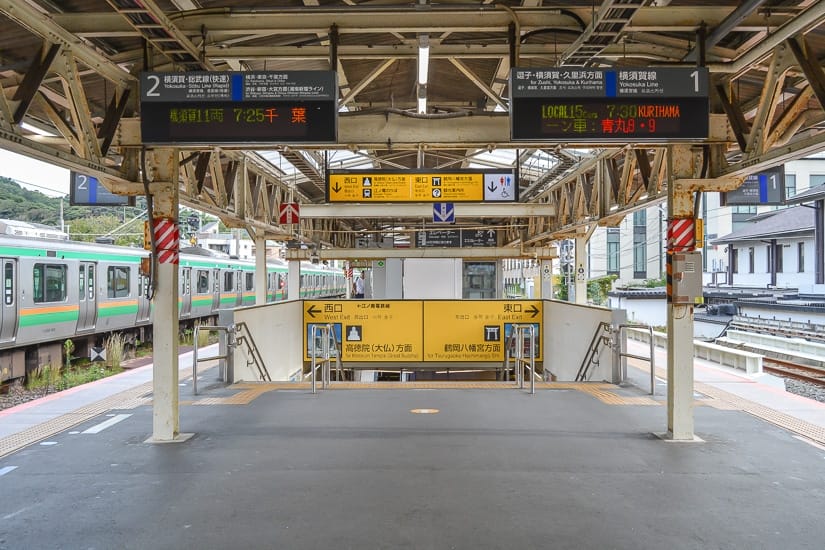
point(55, 291)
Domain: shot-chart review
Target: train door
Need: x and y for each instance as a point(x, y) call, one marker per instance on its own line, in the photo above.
point(216, 289)
point(8, 308)
point(239, 280)
point(87, 296)
point(186, 291)
point(144, 304)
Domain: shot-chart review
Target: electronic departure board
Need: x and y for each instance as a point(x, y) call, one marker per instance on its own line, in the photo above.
point(579, 104)
point(214, 108)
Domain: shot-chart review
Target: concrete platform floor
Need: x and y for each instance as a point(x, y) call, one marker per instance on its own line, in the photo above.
point(358, 469)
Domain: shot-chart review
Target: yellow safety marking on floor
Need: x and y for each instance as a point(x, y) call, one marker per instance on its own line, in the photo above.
point(124, 400)
point(600, 390)
point(722, 400)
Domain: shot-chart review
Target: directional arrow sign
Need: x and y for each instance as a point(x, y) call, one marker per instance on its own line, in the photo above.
point(312, 311)
point(532, 310)
point(288, 212)
point(443, 212)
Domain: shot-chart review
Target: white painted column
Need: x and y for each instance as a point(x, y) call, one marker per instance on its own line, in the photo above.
point(165, 330)
point(679, 316)
point(546, 277)
point(580, 270)
point(260, 269)
point(293, 281)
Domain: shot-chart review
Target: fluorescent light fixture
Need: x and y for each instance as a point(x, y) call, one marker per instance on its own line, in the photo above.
point(614, 207)
point(643, 197)
point(35, 130)
point(422, 105)
point(423, 58)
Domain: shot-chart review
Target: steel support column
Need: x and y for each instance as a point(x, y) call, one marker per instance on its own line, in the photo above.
point(679, 316)
point(260, 269)
point(163, 170)
point(294, 280)
point(580, 273)
point(819, 242)
point(546, 288)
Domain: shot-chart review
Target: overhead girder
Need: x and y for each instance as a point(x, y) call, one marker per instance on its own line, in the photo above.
point(245, 193)
point(224, 22)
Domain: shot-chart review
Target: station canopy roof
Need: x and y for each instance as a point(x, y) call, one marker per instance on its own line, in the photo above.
point(69, 94)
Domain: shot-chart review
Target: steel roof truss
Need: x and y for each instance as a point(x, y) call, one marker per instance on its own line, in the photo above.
point(810, 66)
point(772, 88)
point(24, 95)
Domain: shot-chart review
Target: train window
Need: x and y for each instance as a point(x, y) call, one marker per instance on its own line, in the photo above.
point(49, 283)
point(250, 281)
point(82, 281)
point(8, 284)
point(186, 283)
point(227, 281)
point(203, 282)
point(90, 280)
point(117, 279)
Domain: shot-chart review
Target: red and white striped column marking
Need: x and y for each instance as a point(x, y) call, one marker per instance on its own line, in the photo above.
point(167, 240)
point(681, 237)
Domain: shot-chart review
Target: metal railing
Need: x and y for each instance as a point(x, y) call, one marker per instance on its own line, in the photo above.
point(521, 337)
point(243, 337)
point(227, 343)
point(591, 357)
point(325, 334)
point(619, 351)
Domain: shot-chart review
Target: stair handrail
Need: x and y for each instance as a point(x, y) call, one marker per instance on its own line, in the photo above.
point(243, 335)
point(592, 350)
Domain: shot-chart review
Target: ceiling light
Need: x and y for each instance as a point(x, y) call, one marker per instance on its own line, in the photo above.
point(35, 130)
point(423, 58)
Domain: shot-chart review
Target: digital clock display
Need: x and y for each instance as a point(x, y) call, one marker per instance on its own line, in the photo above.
point(247, 122)
point(614, 119)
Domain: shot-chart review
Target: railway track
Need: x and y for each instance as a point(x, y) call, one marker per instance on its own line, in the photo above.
point(813, 375)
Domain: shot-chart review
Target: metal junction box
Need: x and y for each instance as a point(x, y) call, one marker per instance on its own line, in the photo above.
point(687, 277)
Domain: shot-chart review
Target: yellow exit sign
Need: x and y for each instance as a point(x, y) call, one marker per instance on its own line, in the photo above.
point(421, 330)
point(417, 186)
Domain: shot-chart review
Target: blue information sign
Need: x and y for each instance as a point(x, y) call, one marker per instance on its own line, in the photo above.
point(88, 191)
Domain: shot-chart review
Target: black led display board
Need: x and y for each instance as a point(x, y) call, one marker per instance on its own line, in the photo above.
point(598, 105)
point(213, 108)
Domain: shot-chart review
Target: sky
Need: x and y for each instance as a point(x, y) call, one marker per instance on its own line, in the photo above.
point(35, 175)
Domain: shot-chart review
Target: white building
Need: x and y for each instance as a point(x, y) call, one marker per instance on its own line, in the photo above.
point(635, 250)
point(775, 249)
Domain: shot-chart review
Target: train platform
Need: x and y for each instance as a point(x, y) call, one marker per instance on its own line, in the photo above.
point(422, 465)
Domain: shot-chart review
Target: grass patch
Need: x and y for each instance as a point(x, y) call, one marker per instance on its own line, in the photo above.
point(50, 379)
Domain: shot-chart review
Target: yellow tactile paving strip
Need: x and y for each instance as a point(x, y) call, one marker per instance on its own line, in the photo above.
point(791, 423)
point(128, 399)
point(720, 399)
point(601, 391)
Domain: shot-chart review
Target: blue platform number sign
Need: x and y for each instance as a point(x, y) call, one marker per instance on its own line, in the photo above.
point(766, 187)
point(85, 190)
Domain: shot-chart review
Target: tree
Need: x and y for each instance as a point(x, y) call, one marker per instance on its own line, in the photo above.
point(87, 229)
